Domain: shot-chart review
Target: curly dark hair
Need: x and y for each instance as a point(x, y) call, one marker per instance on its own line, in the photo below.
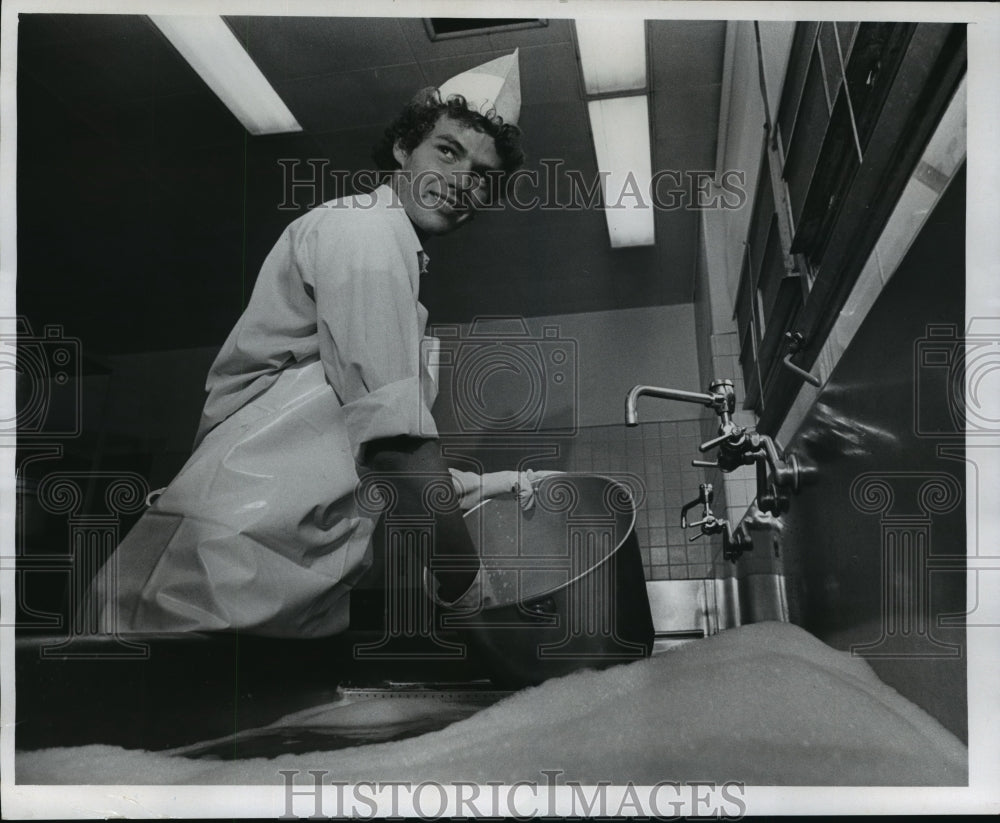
point(422, 113)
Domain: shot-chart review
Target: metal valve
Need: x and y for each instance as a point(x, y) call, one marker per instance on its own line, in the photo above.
point(733, 544)
point(777, 473)
point(705, 496)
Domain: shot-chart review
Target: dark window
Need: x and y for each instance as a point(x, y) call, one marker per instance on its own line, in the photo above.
point(443, 27)
point(859, 103)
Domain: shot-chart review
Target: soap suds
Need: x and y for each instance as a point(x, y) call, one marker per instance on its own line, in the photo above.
point(765, 704)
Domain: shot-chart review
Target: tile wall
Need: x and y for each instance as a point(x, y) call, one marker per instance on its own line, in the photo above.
point(660, 455)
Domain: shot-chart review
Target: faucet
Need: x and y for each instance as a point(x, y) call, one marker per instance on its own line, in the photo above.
point(737, 445)
point(733, 543)
point(721, 399)
point(776, 471)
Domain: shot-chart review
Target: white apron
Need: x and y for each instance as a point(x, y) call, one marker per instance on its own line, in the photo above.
point(260, 529)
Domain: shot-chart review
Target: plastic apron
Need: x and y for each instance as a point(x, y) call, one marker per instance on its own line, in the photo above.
point(260, 530)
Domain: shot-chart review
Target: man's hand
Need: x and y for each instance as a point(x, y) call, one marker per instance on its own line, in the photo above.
point(473, 488)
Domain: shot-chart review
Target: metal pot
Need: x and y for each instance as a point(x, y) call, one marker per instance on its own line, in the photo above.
point(567, 582)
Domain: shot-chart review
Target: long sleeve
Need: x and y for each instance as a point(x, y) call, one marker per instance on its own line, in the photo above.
point(370, 325)
point(262, 529)
point(340, 285)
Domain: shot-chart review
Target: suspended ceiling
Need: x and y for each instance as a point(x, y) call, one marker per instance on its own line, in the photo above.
point(145, 209)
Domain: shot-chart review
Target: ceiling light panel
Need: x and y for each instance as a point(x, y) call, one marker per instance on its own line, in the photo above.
point(613, 55)
point(212, 50)
point(620, 126)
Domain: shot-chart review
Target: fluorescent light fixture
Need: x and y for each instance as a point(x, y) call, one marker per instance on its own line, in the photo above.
point(613, 55)
point(213, 51)
point(621, 139)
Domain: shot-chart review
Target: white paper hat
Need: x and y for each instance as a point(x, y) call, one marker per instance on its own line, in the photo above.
point(494, 86)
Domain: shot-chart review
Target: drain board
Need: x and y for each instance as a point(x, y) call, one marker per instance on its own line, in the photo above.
point(361, 715)
point(474, 691)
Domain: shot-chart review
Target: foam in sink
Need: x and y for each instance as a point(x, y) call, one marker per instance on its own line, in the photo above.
point(766, 704)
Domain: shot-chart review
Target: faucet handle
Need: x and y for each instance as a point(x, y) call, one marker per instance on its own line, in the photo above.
point(708, 445)
point(709, 524)
point(730, 432)
point(733, 543)
point(795, 343)
point(704, 499)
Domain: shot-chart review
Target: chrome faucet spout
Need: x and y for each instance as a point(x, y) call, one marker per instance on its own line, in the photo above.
point(701, 398)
